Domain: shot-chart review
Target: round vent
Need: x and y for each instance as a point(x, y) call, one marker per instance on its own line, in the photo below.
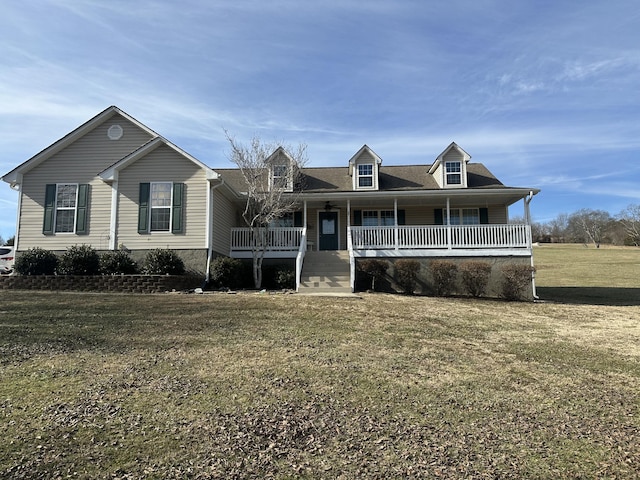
point(115, 132)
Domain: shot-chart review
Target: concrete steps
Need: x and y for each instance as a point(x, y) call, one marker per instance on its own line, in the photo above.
point(326, 272)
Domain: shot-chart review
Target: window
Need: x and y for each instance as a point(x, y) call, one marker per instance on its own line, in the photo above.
point(374, 218)
point(453, 173)
point(66, 200)
point(464, 216)
point(65, 208)
point(280, 177)
point(161, 206)
point(365, 175)
point(387, 218)
point(369, 218)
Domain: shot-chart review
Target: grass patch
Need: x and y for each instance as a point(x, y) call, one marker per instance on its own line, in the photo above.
point(254, 386)
point(573, 273)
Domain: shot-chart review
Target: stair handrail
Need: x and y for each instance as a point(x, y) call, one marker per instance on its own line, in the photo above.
point(300, 257)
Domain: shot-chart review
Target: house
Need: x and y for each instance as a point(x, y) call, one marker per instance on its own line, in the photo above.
point(115, 183)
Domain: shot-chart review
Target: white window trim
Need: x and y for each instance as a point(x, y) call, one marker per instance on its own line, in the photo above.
point(461, 173)
point(57, 208)
point(151, 207)
point(372, 176)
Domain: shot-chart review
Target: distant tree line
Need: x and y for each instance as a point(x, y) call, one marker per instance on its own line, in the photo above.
point(590, 227)
point(9, 242)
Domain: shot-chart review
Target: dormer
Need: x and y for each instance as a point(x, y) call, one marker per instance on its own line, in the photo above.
point(363, 168)
point(450, 167)
point(281, 167)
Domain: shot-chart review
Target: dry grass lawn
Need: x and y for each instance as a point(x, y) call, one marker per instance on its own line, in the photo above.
point(286, 386)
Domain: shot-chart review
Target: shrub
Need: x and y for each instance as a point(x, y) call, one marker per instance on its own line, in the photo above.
point(516, 279)
point(406, 273)
point(226, 272)
point(162, 262)
point(374, 269)
point(36, 261)
point(285, 278)
point(475, 277)
point(79, 260)
point(117, 263)
point(444, 276)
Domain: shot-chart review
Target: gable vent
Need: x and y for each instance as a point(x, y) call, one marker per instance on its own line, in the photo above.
point(115, 132)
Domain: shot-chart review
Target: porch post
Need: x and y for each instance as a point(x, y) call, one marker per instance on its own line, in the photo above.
point(448, 223)
point(304, 215)
point(349, 239)
point(395, 221)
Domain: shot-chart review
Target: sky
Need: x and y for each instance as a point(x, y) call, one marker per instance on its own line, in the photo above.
point(545, 93)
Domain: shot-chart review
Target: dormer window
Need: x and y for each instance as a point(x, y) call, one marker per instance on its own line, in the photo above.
point(450, 168)
point(280, 177)
point(364, 168)
point(365, 175)
point(453, 173)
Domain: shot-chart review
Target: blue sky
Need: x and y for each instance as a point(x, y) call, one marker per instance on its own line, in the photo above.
point(545, 93)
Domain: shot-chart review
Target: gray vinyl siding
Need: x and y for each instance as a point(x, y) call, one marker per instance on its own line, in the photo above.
point(79, 163)
point(453, 155)
point(163, 165)
point(224, 218)
point(438, 176)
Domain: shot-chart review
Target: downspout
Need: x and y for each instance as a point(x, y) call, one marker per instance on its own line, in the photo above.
point(210, 227)
point(527, 218)
point(18, 188)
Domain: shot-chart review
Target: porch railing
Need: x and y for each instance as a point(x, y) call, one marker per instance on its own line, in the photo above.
point(280, 239)
point(441, 236)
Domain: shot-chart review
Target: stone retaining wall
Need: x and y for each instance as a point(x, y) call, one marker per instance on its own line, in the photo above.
point(101, 283)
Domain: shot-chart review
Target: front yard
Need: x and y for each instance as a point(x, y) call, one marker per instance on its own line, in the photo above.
point(286, 386)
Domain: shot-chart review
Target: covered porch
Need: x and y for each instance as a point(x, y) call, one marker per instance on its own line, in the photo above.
point(394, 225)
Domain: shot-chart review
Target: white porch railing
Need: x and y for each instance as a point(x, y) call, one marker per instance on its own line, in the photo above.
point(276, 239)
point(279, 239)
point(441, 236)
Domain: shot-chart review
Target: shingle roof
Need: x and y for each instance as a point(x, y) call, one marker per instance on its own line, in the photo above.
point(393, 177)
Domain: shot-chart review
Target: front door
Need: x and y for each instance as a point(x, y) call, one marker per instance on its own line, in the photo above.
point(328, 231)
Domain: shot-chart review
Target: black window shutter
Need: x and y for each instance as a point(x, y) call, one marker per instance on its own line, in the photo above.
point(401, 218)
point(178, 211)
point(357, 218)
point(143, 208)
point(438, 217)
point(484, 216)
point(82, 209)
point(297, 219)
point(49, 209)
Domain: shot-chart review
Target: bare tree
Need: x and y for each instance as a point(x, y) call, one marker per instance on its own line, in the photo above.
point(630, 219)
point(558, 228)
point(589, 225)
point(272, 177)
